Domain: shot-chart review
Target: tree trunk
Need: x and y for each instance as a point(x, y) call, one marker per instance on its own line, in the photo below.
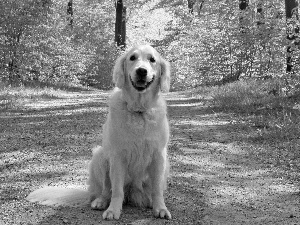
point(292, 30)
point(120, 27)
point(260, 13)
point(235, 75)
point(243, 4)
point(199, 6)
point(13, 41)
point(70, 12)
point(191, 4)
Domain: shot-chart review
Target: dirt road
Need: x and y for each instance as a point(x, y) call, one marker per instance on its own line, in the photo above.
point(218, 175)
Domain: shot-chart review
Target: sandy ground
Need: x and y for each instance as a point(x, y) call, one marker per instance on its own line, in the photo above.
point(218, 175)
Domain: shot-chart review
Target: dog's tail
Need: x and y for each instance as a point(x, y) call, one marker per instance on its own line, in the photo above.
point(59, 196)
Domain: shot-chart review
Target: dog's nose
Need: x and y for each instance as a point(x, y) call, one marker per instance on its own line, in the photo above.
point(141, 72)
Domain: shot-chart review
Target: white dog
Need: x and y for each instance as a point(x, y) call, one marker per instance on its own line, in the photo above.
point(132, 165)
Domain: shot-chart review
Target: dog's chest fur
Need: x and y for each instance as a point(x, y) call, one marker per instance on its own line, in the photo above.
point(136, 135)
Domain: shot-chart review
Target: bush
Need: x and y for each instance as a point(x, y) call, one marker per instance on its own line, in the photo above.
point(264, 106)
point(248, 94)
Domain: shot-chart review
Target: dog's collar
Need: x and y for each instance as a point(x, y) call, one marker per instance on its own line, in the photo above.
point(137, 111)
point(141, 119)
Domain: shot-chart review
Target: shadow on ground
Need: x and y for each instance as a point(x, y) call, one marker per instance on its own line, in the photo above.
point(216, 172)
point(236, 178)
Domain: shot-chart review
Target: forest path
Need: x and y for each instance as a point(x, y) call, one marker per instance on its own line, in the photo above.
point(217, 175)
point(149, 23)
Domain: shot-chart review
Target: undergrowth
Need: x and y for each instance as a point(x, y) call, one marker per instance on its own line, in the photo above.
point(15, 96)
point(248, 95)
point(263, 105)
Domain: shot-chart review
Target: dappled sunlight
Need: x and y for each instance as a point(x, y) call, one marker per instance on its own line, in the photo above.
point(57, 112)
point(212, 153)
point(193, 104)
point(239, 171)
point(284, 188)
point(199, 122)
point(215, 168)
point(224, 195)
point(74, 99)
point(233, 149)
point(57, 103)
point(202, 163)
point(147, 26)
point(249, 191)
point(264, 197)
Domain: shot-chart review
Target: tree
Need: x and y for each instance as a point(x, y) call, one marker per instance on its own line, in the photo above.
point(243, 4)
point(292, 23)
point(200, 7)
point(70, 12)
point(243, 19)
point(16, 20)
point(120, 26)
point(214, 47)
point(191, 4)
point(260, 13)
point(37, 42)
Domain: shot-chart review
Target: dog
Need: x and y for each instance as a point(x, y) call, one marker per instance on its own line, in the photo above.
point(131, 166)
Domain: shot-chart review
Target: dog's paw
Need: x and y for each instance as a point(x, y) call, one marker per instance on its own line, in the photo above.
point(162, 213)
point(99, 203)
point(111, 214)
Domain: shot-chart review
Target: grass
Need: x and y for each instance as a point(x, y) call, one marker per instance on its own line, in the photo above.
point(278, 124)
point(262, 104)
point(247, 95)
point(271, 118)
point(14, 97)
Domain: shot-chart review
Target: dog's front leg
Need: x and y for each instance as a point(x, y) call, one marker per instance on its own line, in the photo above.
point(158, 175)
point(117, 174)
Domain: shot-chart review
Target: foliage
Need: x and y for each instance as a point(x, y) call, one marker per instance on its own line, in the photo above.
point(14, 97)
point(210, 45)
point(248, 95)
point(16, 21)
point(49, 49)
point(207, 46)
point(274, 115)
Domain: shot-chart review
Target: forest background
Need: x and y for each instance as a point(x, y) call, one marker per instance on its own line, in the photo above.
point(241, 55)
point(208, 42)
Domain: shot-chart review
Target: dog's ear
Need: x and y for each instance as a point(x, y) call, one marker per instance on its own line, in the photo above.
point(165, 75)
point(119, 72)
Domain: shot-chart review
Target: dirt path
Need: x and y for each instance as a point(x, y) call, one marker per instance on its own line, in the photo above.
point(215, 155)
point(218, 176)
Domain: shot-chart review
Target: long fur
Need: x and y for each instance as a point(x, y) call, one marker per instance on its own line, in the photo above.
point(132, 165)
point(59, 196)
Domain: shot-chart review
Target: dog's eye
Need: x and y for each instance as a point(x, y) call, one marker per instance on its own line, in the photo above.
point(152, 59)
point(132, 58)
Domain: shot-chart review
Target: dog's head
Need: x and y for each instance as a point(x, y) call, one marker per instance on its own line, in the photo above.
point(142, 69)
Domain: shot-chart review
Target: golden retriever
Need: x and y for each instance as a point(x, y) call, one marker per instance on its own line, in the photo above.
point(132, 165)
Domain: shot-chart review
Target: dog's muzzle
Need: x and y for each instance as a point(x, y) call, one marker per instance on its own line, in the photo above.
point(141, 83)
